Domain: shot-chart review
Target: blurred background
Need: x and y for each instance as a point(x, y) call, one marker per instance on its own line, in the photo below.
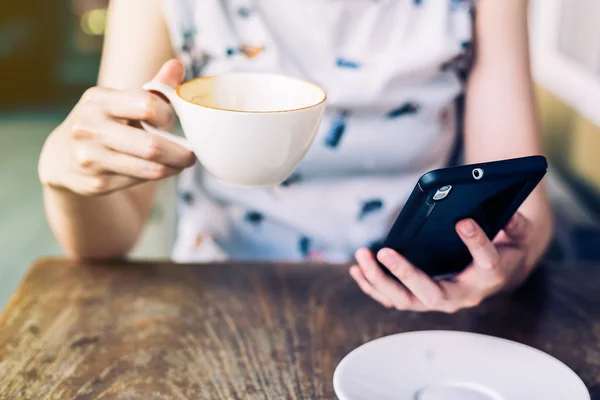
point(50, 52)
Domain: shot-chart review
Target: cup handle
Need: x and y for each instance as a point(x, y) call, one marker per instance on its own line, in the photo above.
point(171, 95)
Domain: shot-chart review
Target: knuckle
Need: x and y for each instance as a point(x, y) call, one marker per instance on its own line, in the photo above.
point(473, 302)
point(150, 105)
point(153, 149)
point(496, 282)
point(84, 158)
point(495, 261)
point(402, 305)
point(451, 309)
point(159, 171)
point(404, 272)
point(371, 274)
point(499, 281)
point(98, 184)
point(436, 302)
point(91, 95)
point(45, 180)
point(480, 239)
point(81, 130)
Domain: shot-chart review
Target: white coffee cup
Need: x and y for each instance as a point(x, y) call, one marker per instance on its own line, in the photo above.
point(248, 129)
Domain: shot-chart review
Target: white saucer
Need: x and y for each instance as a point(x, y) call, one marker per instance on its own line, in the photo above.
point(445, 365)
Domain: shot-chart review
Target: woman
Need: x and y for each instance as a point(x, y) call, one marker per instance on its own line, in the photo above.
point(393, 71)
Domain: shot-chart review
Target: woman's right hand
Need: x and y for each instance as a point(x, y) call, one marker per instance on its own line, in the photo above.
point(96, 151)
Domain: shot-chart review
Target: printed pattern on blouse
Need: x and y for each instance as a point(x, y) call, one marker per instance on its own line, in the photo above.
point(392, 69)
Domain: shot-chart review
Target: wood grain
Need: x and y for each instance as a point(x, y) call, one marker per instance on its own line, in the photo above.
point(247, 331)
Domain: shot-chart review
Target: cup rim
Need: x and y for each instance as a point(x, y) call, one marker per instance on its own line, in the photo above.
point(206, 77)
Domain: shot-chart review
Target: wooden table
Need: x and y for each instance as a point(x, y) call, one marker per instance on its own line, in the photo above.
point(247, 331)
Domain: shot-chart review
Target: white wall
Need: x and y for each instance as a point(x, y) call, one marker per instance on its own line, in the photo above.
point(565, 49)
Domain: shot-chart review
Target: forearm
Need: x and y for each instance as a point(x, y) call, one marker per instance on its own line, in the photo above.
point(94, 227)
point(136, 44)
point(501, 119)
point(538, 211)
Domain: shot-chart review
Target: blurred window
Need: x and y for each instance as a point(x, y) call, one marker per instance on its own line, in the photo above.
point(580, 32)
point(565, 48)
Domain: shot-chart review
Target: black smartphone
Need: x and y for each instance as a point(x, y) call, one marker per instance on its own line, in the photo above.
point(489, 193)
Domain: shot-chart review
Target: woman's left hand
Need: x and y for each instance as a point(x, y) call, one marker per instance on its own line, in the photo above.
point(496, 265)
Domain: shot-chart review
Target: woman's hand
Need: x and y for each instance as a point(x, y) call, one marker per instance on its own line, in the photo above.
point(497, 265)
point(96, 150)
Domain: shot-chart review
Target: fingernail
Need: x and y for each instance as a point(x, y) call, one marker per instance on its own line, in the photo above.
point(360, 253)
point(385, 253)
point(467, 228)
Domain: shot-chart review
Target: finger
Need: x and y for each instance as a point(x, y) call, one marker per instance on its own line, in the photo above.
point(366, 287)
point(108, 183)
point(99, 184)
point(95, 160)
point(415, 280)
point(519, 228)
point(171, 73)
point(123, 164)
point(466, 290)
point(134, 104)
point(481, 248)
point(398, 295)
point(474, 283)
point(139, 143)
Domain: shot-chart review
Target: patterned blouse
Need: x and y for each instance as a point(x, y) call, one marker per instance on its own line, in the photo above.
point(393, 71)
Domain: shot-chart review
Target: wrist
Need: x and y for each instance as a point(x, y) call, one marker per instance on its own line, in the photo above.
point(542, 237)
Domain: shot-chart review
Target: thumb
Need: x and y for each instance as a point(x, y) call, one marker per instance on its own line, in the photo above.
point(171, 73)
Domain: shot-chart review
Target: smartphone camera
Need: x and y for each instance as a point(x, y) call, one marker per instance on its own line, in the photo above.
point(442, 192)
point(477, 174)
